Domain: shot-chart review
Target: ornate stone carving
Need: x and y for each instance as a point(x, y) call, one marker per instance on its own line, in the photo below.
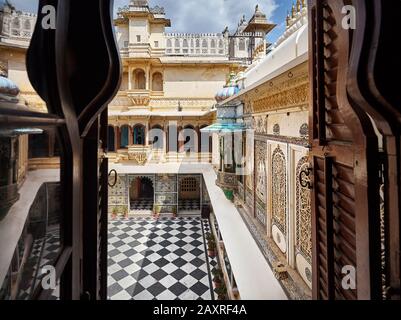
point(261, 181)
point(279, 190)
point(304, 130)
point(280, 271)
point(260, 124)
point(140, 100)
point(276, 129)
point(261, 174)
point(291, 98)
point(303, 238)
point(227, 180)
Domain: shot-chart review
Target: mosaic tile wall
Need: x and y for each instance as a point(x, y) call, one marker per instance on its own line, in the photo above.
point(118, 195)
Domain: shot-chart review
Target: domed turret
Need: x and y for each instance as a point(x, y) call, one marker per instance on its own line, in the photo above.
point(8, 90)
point(230, 89)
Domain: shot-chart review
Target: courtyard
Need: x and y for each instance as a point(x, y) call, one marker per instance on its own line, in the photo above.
point(163, 259)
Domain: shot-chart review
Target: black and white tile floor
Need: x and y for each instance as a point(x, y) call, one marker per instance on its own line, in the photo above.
point(189, 205)
point(142, 205)
point(44, 252)
point(161, 259)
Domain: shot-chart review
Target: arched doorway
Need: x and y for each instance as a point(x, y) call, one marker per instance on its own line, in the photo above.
point(139, 135)
point(189, 194)
point(141, 194)
point(189, 138)
point(111, 139)
point(157, 82)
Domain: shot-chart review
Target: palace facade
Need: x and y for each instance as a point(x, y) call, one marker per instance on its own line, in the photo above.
point(169, 82)
point(219, 167)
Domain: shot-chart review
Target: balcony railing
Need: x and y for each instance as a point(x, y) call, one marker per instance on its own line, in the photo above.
point(227, 180)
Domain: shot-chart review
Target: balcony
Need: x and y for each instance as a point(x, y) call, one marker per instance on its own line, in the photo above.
point(227, 182)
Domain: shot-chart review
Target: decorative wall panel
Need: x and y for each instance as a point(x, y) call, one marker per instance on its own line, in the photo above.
point(279, 190)
point(303, 240)
point(261, 181)
point(118, 195)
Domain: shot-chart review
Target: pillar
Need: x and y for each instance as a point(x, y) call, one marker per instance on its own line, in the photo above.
point(130, 136)
point(115, 128)
point(180, 142)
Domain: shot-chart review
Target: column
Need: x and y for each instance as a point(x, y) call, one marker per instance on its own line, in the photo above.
point(129, 78)
point(199, 137)
point(165, 138)
point(118, 137)
point(130, 136)
point(115, 138)
point(180, 142)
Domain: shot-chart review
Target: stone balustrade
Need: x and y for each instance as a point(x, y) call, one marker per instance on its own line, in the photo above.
point(211, 44)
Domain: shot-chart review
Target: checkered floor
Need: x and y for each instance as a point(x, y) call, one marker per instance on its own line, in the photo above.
point(189, 205)
point(213, 262)
point(142, 205)
point(161, 259)
point(44, 252)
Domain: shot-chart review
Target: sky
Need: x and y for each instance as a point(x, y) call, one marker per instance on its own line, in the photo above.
point(196, 16)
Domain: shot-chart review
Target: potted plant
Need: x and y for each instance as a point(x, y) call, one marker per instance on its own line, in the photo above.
point(211, 245)
point(217, 278)
point(174, 212)
point(221, 292)
point(125, 212)
point(156, 211)
point(114, 213)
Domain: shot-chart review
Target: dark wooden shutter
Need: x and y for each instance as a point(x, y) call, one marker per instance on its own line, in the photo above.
point(76, 69)
point(345, 201)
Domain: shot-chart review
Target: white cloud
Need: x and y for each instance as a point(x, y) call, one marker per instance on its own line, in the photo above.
point(209, 15)
point(195, 15)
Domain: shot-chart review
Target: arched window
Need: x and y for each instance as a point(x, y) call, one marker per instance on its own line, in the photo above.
point(139, 135)
point(177, 43)
point(156, 135)
point(139, 79)
point(190, 139)
point(110, 143)
point(197, 43)
point(157, 82)
point(204, 43)
point(213, 43)
point(221, 44)
point(124, 137)
point(185, 43)
point(16, 23)
point(27, 25)
point(242, 44)
point(169, 43)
